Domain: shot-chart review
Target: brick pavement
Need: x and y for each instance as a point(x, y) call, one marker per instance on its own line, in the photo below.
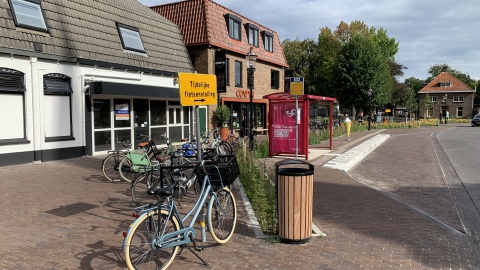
point(63, 215)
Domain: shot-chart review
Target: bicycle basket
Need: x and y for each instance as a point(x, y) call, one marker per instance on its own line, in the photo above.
point(222, 172)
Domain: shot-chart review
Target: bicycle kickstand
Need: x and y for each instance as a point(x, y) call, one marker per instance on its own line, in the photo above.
point(194, 251)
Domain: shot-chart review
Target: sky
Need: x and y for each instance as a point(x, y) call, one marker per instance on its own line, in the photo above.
point(428, 32)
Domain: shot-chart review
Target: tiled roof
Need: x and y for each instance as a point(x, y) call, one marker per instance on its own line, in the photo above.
point(455, 84)
point(87, 29)
point(203, 22)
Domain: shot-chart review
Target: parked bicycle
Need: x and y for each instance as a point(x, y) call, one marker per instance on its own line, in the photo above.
point(160, 232)
point(111, 162)
point(137, 161)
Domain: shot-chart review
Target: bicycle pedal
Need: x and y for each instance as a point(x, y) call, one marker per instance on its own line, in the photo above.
point(197, 248)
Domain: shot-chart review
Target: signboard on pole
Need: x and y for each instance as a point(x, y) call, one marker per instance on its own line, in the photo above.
point(197, 89)
point(296, 86)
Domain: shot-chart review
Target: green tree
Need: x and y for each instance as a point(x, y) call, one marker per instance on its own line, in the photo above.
point(299, 54)
point(361, 66)
point(427, 104)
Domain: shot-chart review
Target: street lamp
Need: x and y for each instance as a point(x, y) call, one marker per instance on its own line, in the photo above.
point(445, 107)
point(369, 93)
point(251, 59)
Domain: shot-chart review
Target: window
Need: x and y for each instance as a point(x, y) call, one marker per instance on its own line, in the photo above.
point(459, 111)
point(238, 74)
point(445, 84)
point(12, 100)
point(275, 81)
point(130, 37)
point(28, 14)
point(433, 99)
point(58, 107)
point(234, 26)
point(268, 41)
point(457, 98)
point(227, 71)
point(252, 34)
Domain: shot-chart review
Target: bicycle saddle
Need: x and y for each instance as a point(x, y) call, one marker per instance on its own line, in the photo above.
point(142, 144)
point(162, 158)
point(166, 191)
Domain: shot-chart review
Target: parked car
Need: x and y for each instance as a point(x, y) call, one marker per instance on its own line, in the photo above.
point(476, 120)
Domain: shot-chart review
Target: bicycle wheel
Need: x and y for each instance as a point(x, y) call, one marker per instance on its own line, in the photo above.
point(125, 169)
point(233, 141)
point(139, 251)
point(110, 166)
point(222, 215)
point(142, 183)
point(224, 148)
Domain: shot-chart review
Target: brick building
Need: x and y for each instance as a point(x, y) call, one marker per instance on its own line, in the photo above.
point(218, 40)
point(447, 93)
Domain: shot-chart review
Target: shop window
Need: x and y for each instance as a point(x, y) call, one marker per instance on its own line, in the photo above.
point(12, 102)
point(459, 111)
point(238, 74)
point(130, 37)
point(252, 34)
point(158, 112)
point(28, 14)
point(268, 41)
point(57, 102)
point(101, 113)
point(234, 26)
point(275, 79)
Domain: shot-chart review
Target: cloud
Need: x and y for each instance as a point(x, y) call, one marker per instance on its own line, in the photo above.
point(428, 32)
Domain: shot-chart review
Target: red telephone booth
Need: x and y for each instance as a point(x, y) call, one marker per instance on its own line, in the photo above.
point(282, 123)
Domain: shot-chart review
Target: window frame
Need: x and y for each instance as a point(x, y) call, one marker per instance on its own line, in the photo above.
point(234, 27)
point(268, 41)
point(445, 84)
point(36, 3)
point(238, 73)
point(252, 33)
point(121, 26)
point(15, 86)
point(434, 99)
point(227, 71)
point(58, 85)
point(460, 111)
point(458, 99)
point(275, 79)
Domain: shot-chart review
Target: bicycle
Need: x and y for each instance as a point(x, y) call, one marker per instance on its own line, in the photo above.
point(155, 237)
point(136, 161)
point(222, 147)
point(177, 169)
point(111, 162)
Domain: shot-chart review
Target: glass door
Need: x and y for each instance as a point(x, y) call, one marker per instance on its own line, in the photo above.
point(140, 118)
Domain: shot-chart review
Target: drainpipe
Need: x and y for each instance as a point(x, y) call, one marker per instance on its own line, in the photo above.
point(36, 113)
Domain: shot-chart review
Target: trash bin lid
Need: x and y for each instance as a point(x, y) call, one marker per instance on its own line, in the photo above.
point(294, 171)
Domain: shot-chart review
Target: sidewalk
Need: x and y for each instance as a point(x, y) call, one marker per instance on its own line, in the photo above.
point(63, 215)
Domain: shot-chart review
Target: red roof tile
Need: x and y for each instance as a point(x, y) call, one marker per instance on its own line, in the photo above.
point(455, 84)
point(203, 22)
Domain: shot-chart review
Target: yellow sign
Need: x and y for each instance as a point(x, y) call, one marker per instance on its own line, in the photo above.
point(296, 86)
point(388, 110)
point(197, 89)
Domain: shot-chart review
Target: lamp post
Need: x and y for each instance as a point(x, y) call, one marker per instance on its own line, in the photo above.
point(251, 59)
point(445, 107)
point(369, 93)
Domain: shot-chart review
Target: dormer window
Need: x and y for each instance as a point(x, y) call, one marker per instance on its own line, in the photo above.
point(130, 37)
point(234, 26)
point(445, 84)
point(268, 41)
point(252, 34)
point(28, 14)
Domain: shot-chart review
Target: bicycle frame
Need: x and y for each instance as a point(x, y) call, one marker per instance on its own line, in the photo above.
point(186, 233)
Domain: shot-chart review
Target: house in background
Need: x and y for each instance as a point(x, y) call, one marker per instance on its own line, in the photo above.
point(81, 77)
point(218, 40)
point(447, 93)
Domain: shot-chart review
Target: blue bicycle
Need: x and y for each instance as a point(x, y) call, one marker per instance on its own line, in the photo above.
point(160, 233)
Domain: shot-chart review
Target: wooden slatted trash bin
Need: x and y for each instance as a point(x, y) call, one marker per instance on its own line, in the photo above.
point(294, 200)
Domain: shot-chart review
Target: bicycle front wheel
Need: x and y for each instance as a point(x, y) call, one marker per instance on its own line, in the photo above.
point(125, 169)
point(110, 166)
point(224, 148)
point(144, 182)
point(140, 252)
point(222, 215)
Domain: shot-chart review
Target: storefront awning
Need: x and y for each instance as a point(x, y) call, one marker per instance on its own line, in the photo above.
point(132, 90)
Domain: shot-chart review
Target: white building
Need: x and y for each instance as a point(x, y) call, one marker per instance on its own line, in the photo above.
point(82, 77)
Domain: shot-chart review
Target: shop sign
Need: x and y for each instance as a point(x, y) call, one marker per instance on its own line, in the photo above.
point(243, 93)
